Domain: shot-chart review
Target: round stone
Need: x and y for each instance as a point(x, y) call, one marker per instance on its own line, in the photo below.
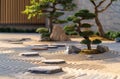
point(29, 54)
point(45, 69)
point(53, 61)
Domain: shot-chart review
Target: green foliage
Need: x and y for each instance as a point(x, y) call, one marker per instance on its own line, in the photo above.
point(96, 41)
point(57, 14)
point(86, 33)
point(70, 18)
point(85, 14)
point(76, 19)
point(85, 25)
point(59, 21)
point(69, 28)
point(45, 35)
point(42, 30)
point(49, 9)
point(72, 33)
point(85, 41)
point(81, 15)
point(112, 35)
point(96, 33)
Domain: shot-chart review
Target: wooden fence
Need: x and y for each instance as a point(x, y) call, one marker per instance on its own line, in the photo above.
point(10, 13)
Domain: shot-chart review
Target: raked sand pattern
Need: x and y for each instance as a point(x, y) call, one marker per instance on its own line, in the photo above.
point(101, 66)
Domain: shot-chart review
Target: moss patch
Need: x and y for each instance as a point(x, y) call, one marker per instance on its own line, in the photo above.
point(98, 37)
point(92, 51)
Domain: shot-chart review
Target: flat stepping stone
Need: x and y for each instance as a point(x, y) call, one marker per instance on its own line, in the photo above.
point(45, 69)
point(53, 61)
point(16, 42)
point(39, 48)
point(29, 54)
point(52, 47)
point(60, 45)
point(40, 45)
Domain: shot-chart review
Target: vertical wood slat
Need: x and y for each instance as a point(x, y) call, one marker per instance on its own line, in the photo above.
point(10, 12)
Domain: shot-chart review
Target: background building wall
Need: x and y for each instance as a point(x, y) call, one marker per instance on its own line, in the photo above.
point(11, 14)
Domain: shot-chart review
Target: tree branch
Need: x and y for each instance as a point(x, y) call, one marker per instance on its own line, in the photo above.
point(93, 3)
point(101, 3)
point(105, 7)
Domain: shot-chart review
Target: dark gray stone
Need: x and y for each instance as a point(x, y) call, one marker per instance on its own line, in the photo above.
point(117, 39)
point(72, 50)
point(45, 69)
point(54, 61)
point(60, 45)
point(102, 49)
point(29, 54)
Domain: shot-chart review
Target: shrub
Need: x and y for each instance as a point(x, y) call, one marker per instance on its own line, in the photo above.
point(14, 30)
point(42, 30)
point(96, 33)
point(112, 35)
point(45, 35)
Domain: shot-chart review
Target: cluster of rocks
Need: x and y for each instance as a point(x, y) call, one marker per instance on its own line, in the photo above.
point(75, 50)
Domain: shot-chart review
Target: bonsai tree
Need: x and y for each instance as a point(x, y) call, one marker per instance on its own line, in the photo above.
point(51, 9)
point(77, 18)
point(99, 8)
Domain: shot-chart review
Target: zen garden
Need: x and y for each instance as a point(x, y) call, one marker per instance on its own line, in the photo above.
point(76, 41)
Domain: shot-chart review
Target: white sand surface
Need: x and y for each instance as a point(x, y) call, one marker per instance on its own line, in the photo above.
point(5, 77)
point(107, 63)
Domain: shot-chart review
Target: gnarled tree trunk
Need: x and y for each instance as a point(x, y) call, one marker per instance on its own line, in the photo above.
point(99, 25)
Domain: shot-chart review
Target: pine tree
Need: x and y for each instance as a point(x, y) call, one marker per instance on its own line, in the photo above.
point(51, 9)
point(77, 18)
point(99, 8)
